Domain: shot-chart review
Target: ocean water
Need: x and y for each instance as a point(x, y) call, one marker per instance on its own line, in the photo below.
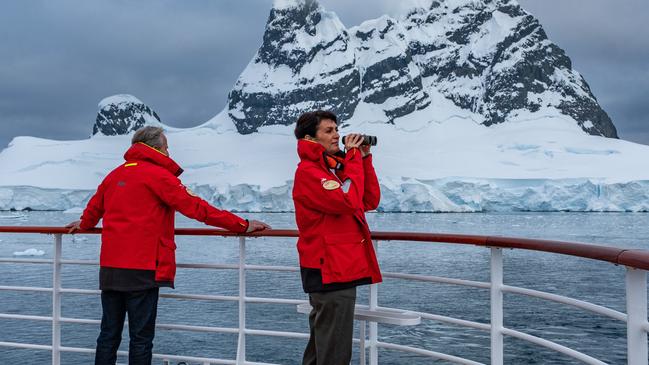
point(584, 279)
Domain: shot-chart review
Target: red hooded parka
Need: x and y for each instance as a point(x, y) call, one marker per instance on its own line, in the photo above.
point(334, 235)
point(137, 202)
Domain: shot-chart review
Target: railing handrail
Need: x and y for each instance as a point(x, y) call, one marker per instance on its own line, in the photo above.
point(636, 293)
point(635, 258)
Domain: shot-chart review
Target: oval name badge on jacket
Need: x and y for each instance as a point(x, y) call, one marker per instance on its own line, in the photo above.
point(330, 184)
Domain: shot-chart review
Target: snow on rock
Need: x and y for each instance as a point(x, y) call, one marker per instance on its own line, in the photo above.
point(491, 58)
point(390, 79)
point(306, 61)
point(122, 114)
point(120, 100)
point(286, 4)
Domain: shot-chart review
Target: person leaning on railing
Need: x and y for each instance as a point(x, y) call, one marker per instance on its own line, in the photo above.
point(137, 202)
point(331, 192)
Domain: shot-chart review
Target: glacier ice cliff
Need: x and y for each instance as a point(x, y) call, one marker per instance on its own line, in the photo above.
point(409, 195)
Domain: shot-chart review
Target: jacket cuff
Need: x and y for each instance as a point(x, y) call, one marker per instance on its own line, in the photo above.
point(245, 223)
point(84, 226)
point(351, 154)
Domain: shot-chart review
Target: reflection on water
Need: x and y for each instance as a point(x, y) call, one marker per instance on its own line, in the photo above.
point(588, 280)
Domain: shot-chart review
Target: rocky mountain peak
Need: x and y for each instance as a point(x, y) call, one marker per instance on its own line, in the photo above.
point(306, 62)
point(488, 57)
point(122, 114)
point(282, 44)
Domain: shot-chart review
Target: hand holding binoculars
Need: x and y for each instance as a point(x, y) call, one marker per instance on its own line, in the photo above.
point(367, 140)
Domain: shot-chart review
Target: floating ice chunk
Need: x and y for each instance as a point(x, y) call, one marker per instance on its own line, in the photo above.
point(30, 252)
point(74, 210)
point(13, 216)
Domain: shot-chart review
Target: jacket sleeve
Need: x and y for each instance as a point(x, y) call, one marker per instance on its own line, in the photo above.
point(94, 209)
point(372, 195)
point(309, 188)
point(173, 193)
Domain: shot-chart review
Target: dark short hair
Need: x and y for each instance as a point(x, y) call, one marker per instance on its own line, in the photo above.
point(307, 123)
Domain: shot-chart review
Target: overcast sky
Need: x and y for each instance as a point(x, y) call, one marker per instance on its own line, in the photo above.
point(58, 59)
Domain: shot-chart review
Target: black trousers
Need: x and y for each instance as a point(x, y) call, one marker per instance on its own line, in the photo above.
point(332, 325)
point(142, 308)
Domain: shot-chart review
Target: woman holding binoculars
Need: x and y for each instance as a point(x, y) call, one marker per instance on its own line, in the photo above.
point(332, 191)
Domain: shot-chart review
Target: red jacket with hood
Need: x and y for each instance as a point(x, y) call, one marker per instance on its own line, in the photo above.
point(334, 235)
point(137, 202)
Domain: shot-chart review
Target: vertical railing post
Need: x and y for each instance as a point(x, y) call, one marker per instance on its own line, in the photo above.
point(496, 306)
point(241, 348)
point(636, 309)
point(56, 300)
point(374, 330)
point(362, 336)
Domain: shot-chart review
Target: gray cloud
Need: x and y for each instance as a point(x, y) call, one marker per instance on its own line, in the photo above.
point(608, 44)
point(60, 58)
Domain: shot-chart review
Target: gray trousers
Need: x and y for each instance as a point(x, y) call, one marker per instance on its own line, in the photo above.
point(332, 325)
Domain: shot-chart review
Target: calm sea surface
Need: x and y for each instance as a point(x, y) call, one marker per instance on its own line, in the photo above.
point(589, 280)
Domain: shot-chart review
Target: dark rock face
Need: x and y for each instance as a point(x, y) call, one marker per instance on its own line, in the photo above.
point(282, 108)
point(296, 70)
point(283, 27)
point(388, 71)
point(490, 57)
point(122, 114)
point(520, 71)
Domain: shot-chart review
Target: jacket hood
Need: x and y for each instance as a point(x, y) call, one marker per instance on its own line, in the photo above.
point(143, 152)
point(310, 150)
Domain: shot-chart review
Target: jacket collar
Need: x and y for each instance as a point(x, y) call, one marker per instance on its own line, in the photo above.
point(314, 151)
point(310, 150)
point(143, 152)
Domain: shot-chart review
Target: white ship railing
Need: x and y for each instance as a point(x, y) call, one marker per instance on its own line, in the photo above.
point(635, 261)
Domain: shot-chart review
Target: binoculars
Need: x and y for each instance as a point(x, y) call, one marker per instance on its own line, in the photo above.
point(367, 140)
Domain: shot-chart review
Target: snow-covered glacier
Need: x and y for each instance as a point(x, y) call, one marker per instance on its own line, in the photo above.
point(441, 162)
point(410, 195)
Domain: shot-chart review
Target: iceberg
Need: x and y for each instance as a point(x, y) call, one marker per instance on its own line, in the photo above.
point(30, 252)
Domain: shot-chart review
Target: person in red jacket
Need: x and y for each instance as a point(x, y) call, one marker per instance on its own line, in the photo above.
point(137, 202)
point(332, 191)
